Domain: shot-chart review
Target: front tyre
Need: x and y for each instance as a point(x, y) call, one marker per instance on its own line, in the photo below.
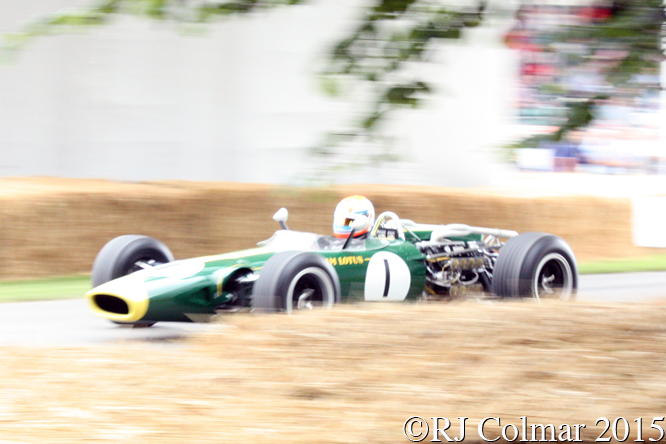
point(127, 254)
point(296, 280)
point(536, 265)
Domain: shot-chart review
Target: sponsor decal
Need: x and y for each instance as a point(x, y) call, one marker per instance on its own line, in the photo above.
point(346, 260)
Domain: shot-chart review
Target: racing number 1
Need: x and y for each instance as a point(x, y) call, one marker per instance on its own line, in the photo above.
point(387, 278)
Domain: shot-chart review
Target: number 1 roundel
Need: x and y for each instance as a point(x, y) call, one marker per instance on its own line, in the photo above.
point(387, 279)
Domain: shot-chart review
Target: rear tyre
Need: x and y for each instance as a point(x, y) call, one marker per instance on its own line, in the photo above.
point(536, 265)
point(295, 280)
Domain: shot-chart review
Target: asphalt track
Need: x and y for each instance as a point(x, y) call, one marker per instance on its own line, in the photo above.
point(71, 323)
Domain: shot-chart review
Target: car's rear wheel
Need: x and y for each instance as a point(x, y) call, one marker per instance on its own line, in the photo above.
point(295, 280)
point(125, 255)
point(536, 265)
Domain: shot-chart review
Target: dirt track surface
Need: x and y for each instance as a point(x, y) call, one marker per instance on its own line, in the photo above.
point(57, 226)
point(350, 375)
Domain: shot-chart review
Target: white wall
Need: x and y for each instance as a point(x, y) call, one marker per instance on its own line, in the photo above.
point(234, 101)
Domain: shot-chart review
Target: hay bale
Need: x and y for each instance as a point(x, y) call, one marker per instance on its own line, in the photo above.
point(57, 226)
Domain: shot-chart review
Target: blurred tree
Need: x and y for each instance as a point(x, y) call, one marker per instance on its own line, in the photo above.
point(394, 33)
point(374, 57)
point(176, 10)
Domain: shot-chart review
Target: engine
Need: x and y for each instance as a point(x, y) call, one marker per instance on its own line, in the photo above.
point(458, 268)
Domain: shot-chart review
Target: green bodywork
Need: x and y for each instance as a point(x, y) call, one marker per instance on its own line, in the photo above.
point(190, 290)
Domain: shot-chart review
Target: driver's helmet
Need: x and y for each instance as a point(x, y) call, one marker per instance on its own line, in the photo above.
point(348, 210)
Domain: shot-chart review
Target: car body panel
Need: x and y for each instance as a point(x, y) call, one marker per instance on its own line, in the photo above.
point(190, 290)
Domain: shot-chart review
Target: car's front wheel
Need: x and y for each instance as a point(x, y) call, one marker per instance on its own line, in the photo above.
point(125, 255)
point(295, 280)
point(536, 265)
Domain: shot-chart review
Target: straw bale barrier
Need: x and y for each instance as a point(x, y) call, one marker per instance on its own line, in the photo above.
point(57, 226)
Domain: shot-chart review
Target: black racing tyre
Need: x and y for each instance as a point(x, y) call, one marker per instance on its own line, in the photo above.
point(121, 256)
point(295, 280)
point(536, 265)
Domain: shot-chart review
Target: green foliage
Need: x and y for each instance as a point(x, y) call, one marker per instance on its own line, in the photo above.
point(372, 57)
point(537, 141)
point(179, 11)
point(208, 12)
point(374, 50)
point(405, 94)
point(579, 114)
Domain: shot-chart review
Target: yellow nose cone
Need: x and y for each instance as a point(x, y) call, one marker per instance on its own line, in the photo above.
point(121, 300)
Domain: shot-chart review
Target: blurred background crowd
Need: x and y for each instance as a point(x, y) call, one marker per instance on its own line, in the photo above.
point(573, 52)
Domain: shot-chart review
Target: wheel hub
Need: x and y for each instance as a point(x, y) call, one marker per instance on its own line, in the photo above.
point(304, 300)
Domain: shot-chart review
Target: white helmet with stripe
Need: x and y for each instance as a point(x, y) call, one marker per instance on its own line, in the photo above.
point(347, 211)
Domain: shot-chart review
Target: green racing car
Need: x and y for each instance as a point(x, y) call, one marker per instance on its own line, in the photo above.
point(136, 281)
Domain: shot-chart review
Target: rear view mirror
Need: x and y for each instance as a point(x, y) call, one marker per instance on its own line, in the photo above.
point(357, 224)
point(281, 217)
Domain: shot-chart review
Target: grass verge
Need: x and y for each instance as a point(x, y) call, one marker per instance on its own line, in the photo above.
point(64, 287)
point(647, 263)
